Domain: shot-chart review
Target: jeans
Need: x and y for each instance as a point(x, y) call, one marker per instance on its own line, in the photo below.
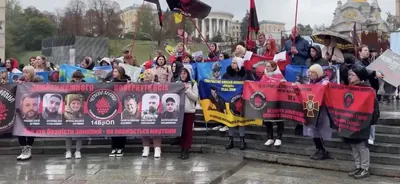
point(118, 142)
point(233, 130)
point(26, 141)
point(270, 130)
point(361, 155)
point(68, 144)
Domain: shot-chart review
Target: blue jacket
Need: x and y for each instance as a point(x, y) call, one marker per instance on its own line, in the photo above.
point(302, 46)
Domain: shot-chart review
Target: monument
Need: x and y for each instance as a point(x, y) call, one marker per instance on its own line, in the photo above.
point(367, 17)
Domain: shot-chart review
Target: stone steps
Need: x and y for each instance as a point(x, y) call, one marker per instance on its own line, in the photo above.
point(303, 161)
point(384, 133)
point(378, 147)
point(306, 150)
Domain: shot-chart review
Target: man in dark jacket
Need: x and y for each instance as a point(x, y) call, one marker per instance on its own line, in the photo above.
point(298, 52)
point(358, 76)
point(364, 60)
point(217, 101)
point(316, 56)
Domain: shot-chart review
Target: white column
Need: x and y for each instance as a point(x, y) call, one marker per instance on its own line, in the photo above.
point(210, 28)
point(196, 33)
point(217, 25)
point(203, 27)
point(224, 26)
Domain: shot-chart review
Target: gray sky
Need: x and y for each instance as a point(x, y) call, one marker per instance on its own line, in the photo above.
point(310, 11)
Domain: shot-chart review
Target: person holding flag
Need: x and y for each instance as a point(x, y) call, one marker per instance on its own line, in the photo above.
point(297, 48)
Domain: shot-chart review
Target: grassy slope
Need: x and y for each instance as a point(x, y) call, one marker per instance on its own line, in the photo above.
point(142, 50)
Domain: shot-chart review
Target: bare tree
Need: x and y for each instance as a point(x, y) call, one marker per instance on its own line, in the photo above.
point(73, 20)
point(106, 14)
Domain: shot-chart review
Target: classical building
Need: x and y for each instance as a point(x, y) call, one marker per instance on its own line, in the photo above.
point(236, 31)
point(366, 16)
point(128, 17)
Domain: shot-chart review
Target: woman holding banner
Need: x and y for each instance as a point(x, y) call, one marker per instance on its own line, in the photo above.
point(273, 74)
point(236, 72)
point(148, 77)
point(191, 96)
point(322, 130)
point(118, 143)
point(26, 143)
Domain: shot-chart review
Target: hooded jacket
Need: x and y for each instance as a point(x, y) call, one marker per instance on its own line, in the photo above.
point(337, 56)
point(234, 75)
point(302, 46)
point(318, 58)
point(191, 94)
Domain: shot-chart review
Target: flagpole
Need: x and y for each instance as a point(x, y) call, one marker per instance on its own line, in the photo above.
point(295, 25)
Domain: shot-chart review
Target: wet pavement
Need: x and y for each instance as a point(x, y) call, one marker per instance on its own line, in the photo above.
point(200, 168)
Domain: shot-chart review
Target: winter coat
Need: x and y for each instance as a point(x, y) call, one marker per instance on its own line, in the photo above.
point(375, 117)
point(322, 128)
point(191, 95)
point(163, 73)
point(233, 75)
point(337, 56)
point(109, 77)
point(373, 81)
point(302, 46)
point(318, 58)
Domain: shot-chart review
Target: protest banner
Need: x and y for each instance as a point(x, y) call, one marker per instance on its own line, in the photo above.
point(299, 73)
point(350, 109)
point(7, 107)
point(388, 64)
point(212, 70)
point(221, 101)
point(282, 100)
point(90, 109)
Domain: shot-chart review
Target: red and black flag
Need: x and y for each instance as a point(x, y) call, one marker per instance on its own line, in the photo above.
point(190, 8)
point(253, 25)
point(159, 11)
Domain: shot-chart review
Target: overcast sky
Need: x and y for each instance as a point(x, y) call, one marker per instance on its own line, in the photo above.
point(310, 11)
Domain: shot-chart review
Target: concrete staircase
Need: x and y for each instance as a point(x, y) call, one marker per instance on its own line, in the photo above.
point(295, 150)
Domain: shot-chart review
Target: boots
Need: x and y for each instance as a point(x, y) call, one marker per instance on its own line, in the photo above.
point(242, 144)
point(230, 144)
point(181, 154)
point(185, 154)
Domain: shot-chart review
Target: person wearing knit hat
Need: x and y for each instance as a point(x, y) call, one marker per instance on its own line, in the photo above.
point(73, 113)
point(322, 130)
point(235, 71)
point(358, 76)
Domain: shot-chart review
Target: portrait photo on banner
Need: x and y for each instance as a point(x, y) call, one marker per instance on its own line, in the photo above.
point(170, 106)
point(131, 112)
point(29, 107)
point(212, 70)
point(73, 112)
point(4, 77)
point(150, 108)
point(52, 107)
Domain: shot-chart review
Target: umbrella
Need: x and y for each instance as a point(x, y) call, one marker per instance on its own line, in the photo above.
point(343, 42)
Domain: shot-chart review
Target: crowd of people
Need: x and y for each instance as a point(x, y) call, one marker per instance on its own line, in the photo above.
point(179, 69)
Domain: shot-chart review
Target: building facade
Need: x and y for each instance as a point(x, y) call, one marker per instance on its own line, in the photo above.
point(367, 17)
point(236, 31)
point(129, 16)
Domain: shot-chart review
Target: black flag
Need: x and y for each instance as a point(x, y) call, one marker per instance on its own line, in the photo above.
point(190, 8)
point(160, 14)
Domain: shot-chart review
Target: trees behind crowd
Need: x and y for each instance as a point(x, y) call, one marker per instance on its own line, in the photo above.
point(26, 28)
